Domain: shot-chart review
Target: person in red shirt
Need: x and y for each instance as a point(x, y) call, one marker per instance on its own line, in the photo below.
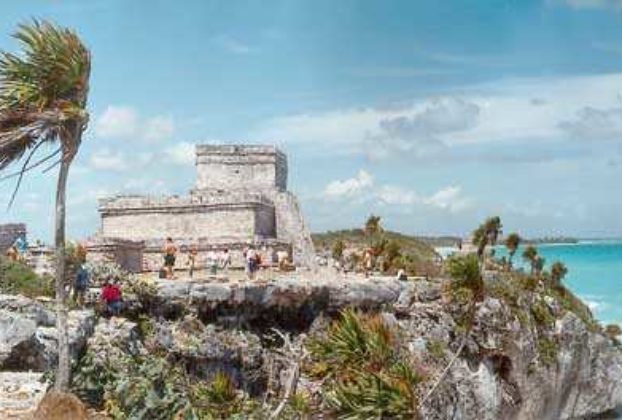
point(111, 295)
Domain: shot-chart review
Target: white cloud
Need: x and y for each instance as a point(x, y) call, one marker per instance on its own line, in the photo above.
point(125, 123)
point(595, 124)
point(363, 188)
point(418, 134)
point(391, 194)
point(349, 187)
point(449, 198)
point(182, 153)
point(117, 121)
point(518, 111)
point(107, 160)
point(158, 128)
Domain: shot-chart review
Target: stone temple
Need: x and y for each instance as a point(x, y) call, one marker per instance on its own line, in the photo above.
point(240, 199)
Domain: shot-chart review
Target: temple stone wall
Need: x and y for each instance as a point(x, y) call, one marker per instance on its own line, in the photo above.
point(233, 221)
point(253, 168)
point(126, 253)
point(240, 199)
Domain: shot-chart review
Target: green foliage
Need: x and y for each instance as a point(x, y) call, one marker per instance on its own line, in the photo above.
point(547, 349)
point(338, 248)
point(542, 314)
point(415, 253)
point(512, 241)
point(530, 254)
point(369, 376)
point(373, 226)
point(465, 271)
point(18, 278)
point(436, 348)
point(487, 234)
point(575, 305)
point(218, 399)
point(558, 272)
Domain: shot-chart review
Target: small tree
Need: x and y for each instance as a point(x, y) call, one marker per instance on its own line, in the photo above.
point(512, 242)
point(530, 254)
point(338, 247)
point(539, 265)
point(487, 234)
point(558, 272)
point(373, 226)
point(43, 97)
point(465, 270)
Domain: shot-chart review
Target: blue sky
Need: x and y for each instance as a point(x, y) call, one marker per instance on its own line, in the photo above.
point(431, 114)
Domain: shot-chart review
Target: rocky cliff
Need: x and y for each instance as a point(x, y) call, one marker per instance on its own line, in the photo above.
point(516, 352)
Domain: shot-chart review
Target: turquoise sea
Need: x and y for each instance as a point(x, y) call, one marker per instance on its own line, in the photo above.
point(594, 273)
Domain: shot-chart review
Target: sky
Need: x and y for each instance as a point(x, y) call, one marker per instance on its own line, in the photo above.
point(431, 114)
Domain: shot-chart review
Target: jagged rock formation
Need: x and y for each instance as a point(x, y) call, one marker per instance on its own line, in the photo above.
point(28, 334)
point(525, 354)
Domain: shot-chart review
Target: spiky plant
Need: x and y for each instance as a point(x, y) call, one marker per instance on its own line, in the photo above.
point(369, 377)
point(465, 270)
point(512, 243)
point(558, 272)
point(43, 98)
point(530, 254)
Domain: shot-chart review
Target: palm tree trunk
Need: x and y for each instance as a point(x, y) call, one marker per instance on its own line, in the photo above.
point(64, 361)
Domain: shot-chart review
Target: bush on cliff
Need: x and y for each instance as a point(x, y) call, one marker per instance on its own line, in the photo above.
point(368, 374)
point(18, 278)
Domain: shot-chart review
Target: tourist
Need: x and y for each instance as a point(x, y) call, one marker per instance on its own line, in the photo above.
point(192, 260)
point(251, 263)
point(225, 260)
point(282, 259)
point(212, 262)
point(368, 262)
point(81, 285)
point(11, 253)
point(170, 252)
point(111, 295)
point(21, 247)
point(401, 275)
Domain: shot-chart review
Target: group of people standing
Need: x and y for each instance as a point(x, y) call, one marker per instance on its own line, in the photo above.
point(215, 260)
point(111, 296)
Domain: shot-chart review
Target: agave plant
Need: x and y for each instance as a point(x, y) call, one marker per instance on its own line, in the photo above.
point(43, 97)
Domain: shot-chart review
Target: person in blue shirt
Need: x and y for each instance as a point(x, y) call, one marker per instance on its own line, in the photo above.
point(22, 247)
point(81, 285)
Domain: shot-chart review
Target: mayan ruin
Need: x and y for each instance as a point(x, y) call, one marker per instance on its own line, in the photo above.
point(240, 199)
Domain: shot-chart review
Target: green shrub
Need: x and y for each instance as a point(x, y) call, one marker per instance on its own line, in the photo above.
point(542, 314)
point(18, 278)
point(436, 348)
point(465, 271)
point(547, 349)
point(369, 375)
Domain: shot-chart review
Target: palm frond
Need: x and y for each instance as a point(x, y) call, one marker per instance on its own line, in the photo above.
point(43, 93)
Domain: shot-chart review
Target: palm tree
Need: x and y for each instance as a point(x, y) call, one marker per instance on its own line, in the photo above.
point(43, 96)
point(558, 272)
point(487, 234)
point(531, 254)
point(373, 226)
point(512, 243)
point(538, 265)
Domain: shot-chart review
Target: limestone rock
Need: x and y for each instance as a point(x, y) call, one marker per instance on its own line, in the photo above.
point(20, 393)
point(28, 337)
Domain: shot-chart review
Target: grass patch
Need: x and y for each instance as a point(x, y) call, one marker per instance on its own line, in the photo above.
point(436, 348)
point(18, 278)
point(547, 349)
